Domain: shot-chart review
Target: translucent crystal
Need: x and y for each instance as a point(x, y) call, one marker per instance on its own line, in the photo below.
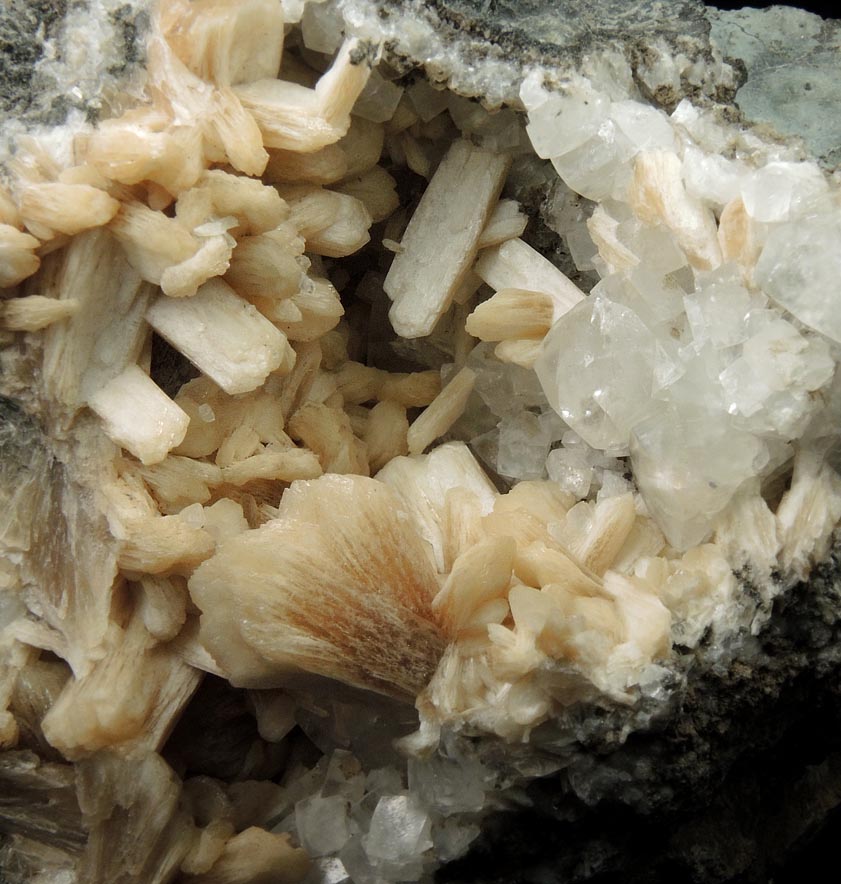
point(379, 99)
point(328, 870)
point(400, 830)
point(596, 369)
point(799, 268)
point(561, 123)
point(643, 125)
point(599, 167)
point(581, 247)
point(552, 426)
point(746, 393)
point(656, 247)
point(655, 299)
point(778, 190)
point(770, 382)
point(613, 485)
point(523, 446)
point(786, 359)
point(502, 128)
point(359, 867)
point(699, 383)
point(11, 606)
point(322, 824)
point(688, 464)
point(447, 786)
point(718, 313)
point(711, 177)
point(566, 213)
point(384, 781)
point(344, 777)
point(571, 470)
point(486, 447)
point(427, 100)
point(505, 389)
point(322, 26)
point(452, 838)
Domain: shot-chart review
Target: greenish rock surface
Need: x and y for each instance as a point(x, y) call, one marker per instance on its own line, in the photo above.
point(793, 62)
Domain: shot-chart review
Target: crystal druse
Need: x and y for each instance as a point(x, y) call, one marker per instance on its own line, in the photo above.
point(419, 429)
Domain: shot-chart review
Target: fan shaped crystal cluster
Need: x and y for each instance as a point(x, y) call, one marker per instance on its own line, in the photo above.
point(303, 406)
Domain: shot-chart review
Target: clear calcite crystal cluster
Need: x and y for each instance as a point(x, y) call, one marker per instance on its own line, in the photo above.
point(294, 400)
point(706, 348)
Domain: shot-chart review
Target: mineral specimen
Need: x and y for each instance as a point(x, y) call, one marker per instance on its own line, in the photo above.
point(393, 417)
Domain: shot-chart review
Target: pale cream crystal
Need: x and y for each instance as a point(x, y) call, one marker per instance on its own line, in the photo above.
point(138, 415)
point(238, 347)
point(441, 240)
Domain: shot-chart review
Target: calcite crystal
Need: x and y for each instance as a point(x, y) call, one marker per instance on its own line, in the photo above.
point(393, 416)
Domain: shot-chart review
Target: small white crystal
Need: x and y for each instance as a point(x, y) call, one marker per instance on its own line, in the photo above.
point(379, 99)
point(779, 190)
point(448, 786)
point(746, 392)
point(400, 830)
point(427, 101)
point(223, 335)
point(523, 446)
point(514, 264)
point(440, 242)
point(643, 125)
point(322, 26)
point(600, 167)
point(322, 824)
point(224, 519)
point(656, 300)
point(656, 247)
point(217, 227)
point(329, 870)
point(452, 838)
point(364, 869)
point(688, 464)
point(571, 470)
point(596, 368)
point(581, 247)
point(506, 389)
point(193, 515)
point(718, 314)
point(561, 123)
point(785, 359)
point(383, 781)
point(711, 177)
point(799, 268)
point(293, 10)
point(552, 426)
point(344, 777)
point(613, 485)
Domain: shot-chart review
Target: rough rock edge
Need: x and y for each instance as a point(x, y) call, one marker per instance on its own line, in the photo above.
point(733, 782)
point(458, 34)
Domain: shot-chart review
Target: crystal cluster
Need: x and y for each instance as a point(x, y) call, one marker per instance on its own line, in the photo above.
point(368, 438)
point(707, 346)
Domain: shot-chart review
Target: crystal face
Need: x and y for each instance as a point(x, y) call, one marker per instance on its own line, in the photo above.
point(799, 268)
point(369, 450)
point(597, 368)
